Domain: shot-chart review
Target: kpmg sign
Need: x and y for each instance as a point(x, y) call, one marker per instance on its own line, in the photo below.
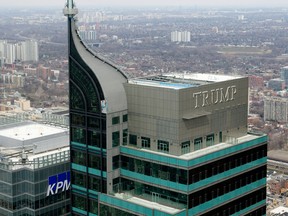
point(58, 183)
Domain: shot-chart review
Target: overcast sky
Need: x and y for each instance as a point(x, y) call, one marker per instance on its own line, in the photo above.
point(82, 3)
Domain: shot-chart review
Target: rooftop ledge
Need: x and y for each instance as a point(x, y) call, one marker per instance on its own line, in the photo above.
point(181, 81)
point(187, 159)
point(124, 200)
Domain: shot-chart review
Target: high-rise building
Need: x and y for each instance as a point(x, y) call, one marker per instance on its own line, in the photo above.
point(34, 166)
point(284, 75)
point(88, 36)
point(23, 51)
point(30, 51)
point(276, 109)
point(180, 36)
point(10, 53)
point(173, 144)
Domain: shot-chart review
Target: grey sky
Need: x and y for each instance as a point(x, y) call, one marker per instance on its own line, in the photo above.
point(80, 3)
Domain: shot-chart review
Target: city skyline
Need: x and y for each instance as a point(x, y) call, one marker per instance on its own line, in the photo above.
point(112, 3)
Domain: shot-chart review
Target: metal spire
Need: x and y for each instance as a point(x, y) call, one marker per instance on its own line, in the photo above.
point(70, 9)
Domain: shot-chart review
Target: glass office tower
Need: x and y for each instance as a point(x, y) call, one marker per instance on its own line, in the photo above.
point(165, 145)
point(34, 166)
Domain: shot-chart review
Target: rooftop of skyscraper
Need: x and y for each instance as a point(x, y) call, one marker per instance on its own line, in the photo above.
point(32, 144)
point(180, 81)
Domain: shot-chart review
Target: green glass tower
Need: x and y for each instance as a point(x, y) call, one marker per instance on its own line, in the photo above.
point(164, 145)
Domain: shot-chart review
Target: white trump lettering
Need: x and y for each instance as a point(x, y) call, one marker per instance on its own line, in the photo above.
point(214, 96)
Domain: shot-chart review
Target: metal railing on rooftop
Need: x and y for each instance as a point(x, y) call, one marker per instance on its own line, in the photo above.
point(46, 118)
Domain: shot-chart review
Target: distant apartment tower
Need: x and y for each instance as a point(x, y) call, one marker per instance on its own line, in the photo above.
point(241, 17)
point(6, 78)
point(88, 36)
point(183, 36)
point(10, 50)
point(284, 75)
point(30, 51)
point(22, 51)
point(14, 80)
point(276, 109)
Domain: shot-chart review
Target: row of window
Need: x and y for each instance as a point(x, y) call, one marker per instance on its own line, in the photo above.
point(116, 119)
point(240, 204)
point(225, 187)
point(91, 182)
point(98, 139)
point(95, 138)
point(109, 211)
point(198, 144)
point(154, 170)
point(22, 175)
point(90, 160)
point(163, 146)
point(25, 202)
point(160, 195)
point(82, 203)
point(195, 174)
point(227, 163)
point(149, 192)
point(196, 198)
point(92, 122)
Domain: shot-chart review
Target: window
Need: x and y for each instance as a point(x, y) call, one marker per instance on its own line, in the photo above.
point(116, 162)
point(94, 183)
point(95, 161)
point(197, 144)
point(185, 147)
point(94, 138)
point(210, 140)
point(103, 142)
point(115, 120)
point(115, 139)
point(125, 136)
point(87, 85)
point(79, 202)
point(94, 123)
point(220, 136)
point(79, 179)
point(163, 146)
point(78, 135)
point(125, 118)
point(132, 139)
point(145, 142)
point(77, 120)
point(93, 207)
point(78, 157)
point(76, 100)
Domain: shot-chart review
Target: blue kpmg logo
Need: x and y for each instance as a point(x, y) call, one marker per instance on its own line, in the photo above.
point(58, 183)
